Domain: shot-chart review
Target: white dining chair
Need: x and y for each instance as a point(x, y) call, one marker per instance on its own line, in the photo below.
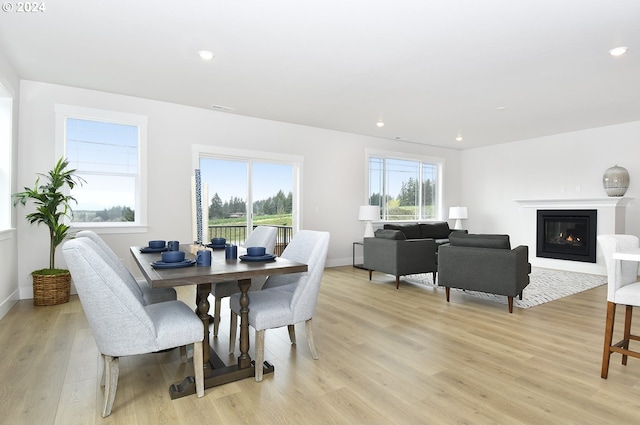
point(140, 286)
point(121, 324)
point(286, 299)
point(260, 236)
point(623, 288)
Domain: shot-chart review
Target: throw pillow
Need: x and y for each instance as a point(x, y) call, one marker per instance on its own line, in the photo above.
point(437, 230)
point(390, 234)
point(411, 230)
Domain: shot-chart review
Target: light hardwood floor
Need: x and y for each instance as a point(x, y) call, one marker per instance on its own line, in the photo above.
point(387, 356)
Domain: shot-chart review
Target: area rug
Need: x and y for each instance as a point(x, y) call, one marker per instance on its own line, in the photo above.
point(544, 285)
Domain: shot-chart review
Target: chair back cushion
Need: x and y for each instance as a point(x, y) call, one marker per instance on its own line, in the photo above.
point(117, 318)
point(112, 259)
point(309, 247)
point(619, 273)
point(479, 241)
point(263, 236)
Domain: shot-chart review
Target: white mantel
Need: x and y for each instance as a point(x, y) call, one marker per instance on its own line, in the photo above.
point(611, 220)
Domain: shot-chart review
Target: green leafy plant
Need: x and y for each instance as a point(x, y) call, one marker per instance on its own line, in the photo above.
point(52, 204)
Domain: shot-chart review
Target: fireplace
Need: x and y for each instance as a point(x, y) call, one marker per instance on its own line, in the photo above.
point(567, 235)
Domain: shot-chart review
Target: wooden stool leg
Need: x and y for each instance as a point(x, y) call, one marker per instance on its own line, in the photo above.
point(510, 302)
point(397, 282)
point(447, 292)
point(627, 331)
point(608, 337)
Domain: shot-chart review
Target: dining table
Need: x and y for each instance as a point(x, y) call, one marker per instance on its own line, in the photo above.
point(216, 372)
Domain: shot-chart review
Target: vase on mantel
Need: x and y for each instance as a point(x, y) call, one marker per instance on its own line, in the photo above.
point(615, 181)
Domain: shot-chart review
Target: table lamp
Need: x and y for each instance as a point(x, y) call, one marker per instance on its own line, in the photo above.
point(458, 214)
point(369, 213)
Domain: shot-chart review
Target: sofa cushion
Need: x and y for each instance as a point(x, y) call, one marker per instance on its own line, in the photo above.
point(410, 230)
point(480, 241)
point(390, 234)
point(437, 230)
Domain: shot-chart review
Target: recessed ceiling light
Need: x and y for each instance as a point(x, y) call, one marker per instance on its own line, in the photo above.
point(618, 51)
point(459, 138)
point(380, 124)
point(501, 108)
point(205, 55)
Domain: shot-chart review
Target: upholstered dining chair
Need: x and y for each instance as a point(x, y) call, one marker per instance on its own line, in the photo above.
point(260, 236)
point(141, 287)
point(286, 299)
point(121, 324)
point(622, 288)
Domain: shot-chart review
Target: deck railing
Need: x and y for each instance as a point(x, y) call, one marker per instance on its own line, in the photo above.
point(238, 234)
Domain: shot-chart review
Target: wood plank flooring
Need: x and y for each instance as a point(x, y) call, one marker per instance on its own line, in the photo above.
point(387, 356)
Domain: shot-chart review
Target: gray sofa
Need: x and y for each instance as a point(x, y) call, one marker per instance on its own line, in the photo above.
point(402, 249)
point(484, 263)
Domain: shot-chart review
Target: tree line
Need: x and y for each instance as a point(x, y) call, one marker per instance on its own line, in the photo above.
point(408, 195)
point(273, 205)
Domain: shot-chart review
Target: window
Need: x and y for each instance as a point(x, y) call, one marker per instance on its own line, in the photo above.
point(107, 149)
point(6, 141)
point(247, 189)
point(405, 188)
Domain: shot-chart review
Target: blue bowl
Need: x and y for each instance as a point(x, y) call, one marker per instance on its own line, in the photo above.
point(218, 241)
point(156, 244)
point(256, 251)
point(173, 256)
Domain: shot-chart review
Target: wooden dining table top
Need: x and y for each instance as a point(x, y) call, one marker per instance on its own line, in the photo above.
point(220, 270)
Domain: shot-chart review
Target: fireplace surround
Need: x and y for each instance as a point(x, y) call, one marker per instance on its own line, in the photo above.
point(611, 220)
point(567, 234)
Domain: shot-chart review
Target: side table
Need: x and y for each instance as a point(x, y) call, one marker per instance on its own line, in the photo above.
point(358, 266)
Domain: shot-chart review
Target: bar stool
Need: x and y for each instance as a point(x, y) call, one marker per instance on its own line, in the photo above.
point(622, 288)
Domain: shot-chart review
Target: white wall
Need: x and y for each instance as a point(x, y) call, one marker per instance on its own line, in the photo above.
point(8, 240)
point(333, 183)
point(562, 166)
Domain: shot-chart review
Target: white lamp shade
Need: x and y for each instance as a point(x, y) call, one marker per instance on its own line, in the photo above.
point(369, 213)
point(456, 213)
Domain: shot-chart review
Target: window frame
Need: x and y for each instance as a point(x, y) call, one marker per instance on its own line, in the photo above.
point(63, 112)
point(6, 155)
point(423, 159)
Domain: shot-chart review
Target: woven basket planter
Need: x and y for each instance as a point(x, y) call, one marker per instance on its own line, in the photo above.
point(51, 289)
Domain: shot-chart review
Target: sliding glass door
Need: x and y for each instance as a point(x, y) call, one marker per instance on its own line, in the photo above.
point(245, 192)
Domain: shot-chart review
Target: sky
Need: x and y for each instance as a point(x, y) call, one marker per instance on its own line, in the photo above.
point(229, 178)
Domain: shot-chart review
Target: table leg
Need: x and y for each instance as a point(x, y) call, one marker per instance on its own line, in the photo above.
point(204, 289)
point(244, 360)
point(215, 371)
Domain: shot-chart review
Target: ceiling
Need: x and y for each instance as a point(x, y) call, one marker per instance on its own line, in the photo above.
point(491, 71)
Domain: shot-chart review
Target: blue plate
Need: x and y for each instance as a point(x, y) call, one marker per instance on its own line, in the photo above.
point(162, 265)
point(265, 257)
point(147, 250)
point(216, 246)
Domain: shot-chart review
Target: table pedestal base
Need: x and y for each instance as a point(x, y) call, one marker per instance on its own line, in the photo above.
point(219, 374)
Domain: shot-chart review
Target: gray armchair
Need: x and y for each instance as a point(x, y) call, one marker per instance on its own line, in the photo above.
point(121, 324)
point(484, 263)
point(390, 252)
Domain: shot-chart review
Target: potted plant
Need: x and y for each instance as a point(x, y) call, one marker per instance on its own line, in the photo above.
point(51, 286)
